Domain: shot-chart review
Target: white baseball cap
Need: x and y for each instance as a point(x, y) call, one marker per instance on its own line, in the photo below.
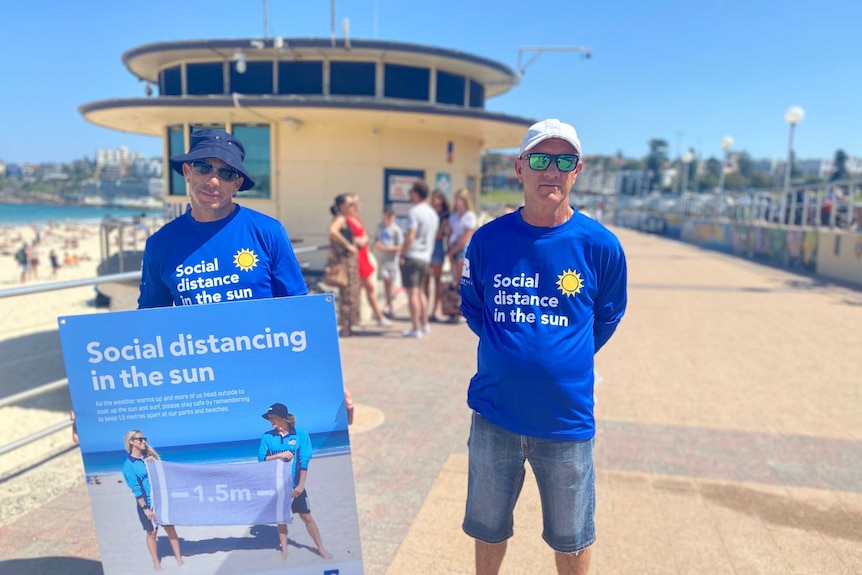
point(546, 129)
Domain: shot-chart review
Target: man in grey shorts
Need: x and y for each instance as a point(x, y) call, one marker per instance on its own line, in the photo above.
point(422, 223)
point(544, 289)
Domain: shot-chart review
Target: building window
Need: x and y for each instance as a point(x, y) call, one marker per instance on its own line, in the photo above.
point(256, 141)
point(196, 127)
point(300, 77)
point(176, 146)
point(351, 78)
point(170, 82)
point(477, 95)
point(450, 88)
point(406, 82)
point(203, 79)
point(257, 79)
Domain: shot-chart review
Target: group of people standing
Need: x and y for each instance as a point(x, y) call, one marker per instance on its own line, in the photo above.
point(457, 225)
point(349, 248)
point(434, 234)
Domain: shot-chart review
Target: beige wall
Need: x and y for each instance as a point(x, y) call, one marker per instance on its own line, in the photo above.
point(316, 163)
point(313, 163)
point(846, 264)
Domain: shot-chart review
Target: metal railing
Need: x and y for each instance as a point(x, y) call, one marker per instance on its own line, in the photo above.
point(61, 383)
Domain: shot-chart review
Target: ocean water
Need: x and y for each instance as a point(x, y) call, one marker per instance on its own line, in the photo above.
point(17, 214)
point(108, 462)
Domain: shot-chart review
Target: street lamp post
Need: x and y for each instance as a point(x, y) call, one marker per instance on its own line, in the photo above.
point(686, 161)
point(792, 116)
point(726, 144)
point(687, 158)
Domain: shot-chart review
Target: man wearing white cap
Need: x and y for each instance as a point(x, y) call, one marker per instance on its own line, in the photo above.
point(544, 288)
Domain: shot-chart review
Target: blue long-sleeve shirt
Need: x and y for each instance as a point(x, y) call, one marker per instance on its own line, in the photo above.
point(246, 255)
point(137, 478)
point(297, 440)
point(543, 301)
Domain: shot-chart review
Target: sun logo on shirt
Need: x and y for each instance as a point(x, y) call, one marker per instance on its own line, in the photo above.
point(245, 260)
point(570, 282)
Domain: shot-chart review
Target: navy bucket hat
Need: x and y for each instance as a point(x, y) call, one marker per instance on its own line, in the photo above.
point(278, 409)
point(215, 144)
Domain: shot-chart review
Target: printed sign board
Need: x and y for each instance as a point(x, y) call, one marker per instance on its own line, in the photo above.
point(193, 382)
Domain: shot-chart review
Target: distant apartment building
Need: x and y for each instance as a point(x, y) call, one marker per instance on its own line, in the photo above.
point(824, 169)
point(53, 171)
point(147, 167)
point(609, 182)
point(156, 187)
point(766, 166)
point(112, 164)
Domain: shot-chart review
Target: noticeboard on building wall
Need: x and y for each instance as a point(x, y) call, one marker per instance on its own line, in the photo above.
point(396, 191)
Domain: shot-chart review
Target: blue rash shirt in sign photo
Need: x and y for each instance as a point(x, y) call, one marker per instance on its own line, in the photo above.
point(543, 301)
point(297, 441)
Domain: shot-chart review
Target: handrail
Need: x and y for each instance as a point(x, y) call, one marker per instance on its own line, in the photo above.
point(27, 394)
point(53, 286)
point(126, 276)
point(33, 437)
point(54, 385)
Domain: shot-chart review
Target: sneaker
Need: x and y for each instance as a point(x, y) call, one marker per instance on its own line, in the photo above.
point(413, 333)
point(389, 313)
point(425, 328)
point(383, 322)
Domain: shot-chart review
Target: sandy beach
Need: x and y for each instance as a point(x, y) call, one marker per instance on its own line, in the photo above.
point(30, 356)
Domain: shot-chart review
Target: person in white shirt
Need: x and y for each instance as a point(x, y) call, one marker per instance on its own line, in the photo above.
point(422, 224)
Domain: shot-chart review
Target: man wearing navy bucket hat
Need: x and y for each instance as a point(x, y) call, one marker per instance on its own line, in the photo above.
point(218, 251)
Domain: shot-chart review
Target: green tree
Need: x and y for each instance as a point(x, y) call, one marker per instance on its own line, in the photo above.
point(840, 172)
point(745, 165)
point(760, 180)
point(713, 168)
point(707, 182)
point(735, 181)
point(656, 160)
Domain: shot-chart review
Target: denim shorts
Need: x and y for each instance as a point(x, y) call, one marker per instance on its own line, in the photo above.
point(439, 254)
point(564, 473)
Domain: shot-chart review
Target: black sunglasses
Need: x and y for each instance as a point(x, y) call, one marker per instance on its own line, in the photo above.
point(541, 162)
point(203, 167)
point(139, 439)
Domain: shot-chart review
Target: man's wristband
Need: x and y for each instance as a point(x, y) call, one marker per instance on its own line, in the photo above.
point(145, 507)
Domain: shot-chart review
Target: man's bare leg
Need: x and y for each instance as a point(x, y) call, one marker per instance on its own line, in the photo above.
point(414, 304)
point(282, 539)
point(489, 557)
point(573, 563)
point(311, 525)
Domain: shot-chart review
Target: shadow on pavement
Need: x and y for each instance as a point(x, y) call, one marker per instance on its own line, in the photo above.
point(51, 566)
point(834, 521)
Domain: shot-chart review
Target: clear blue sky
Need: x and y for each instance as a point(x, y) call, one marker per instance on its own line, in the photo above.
point(700, 69)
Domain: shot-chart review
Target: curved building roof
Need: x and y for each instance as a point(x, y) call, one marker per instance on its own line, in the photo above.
point(146, 61)
point(377, 83)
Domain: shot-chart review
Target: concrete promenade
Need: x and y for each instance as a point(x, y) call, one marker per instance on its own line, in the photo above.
point(730, 437)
